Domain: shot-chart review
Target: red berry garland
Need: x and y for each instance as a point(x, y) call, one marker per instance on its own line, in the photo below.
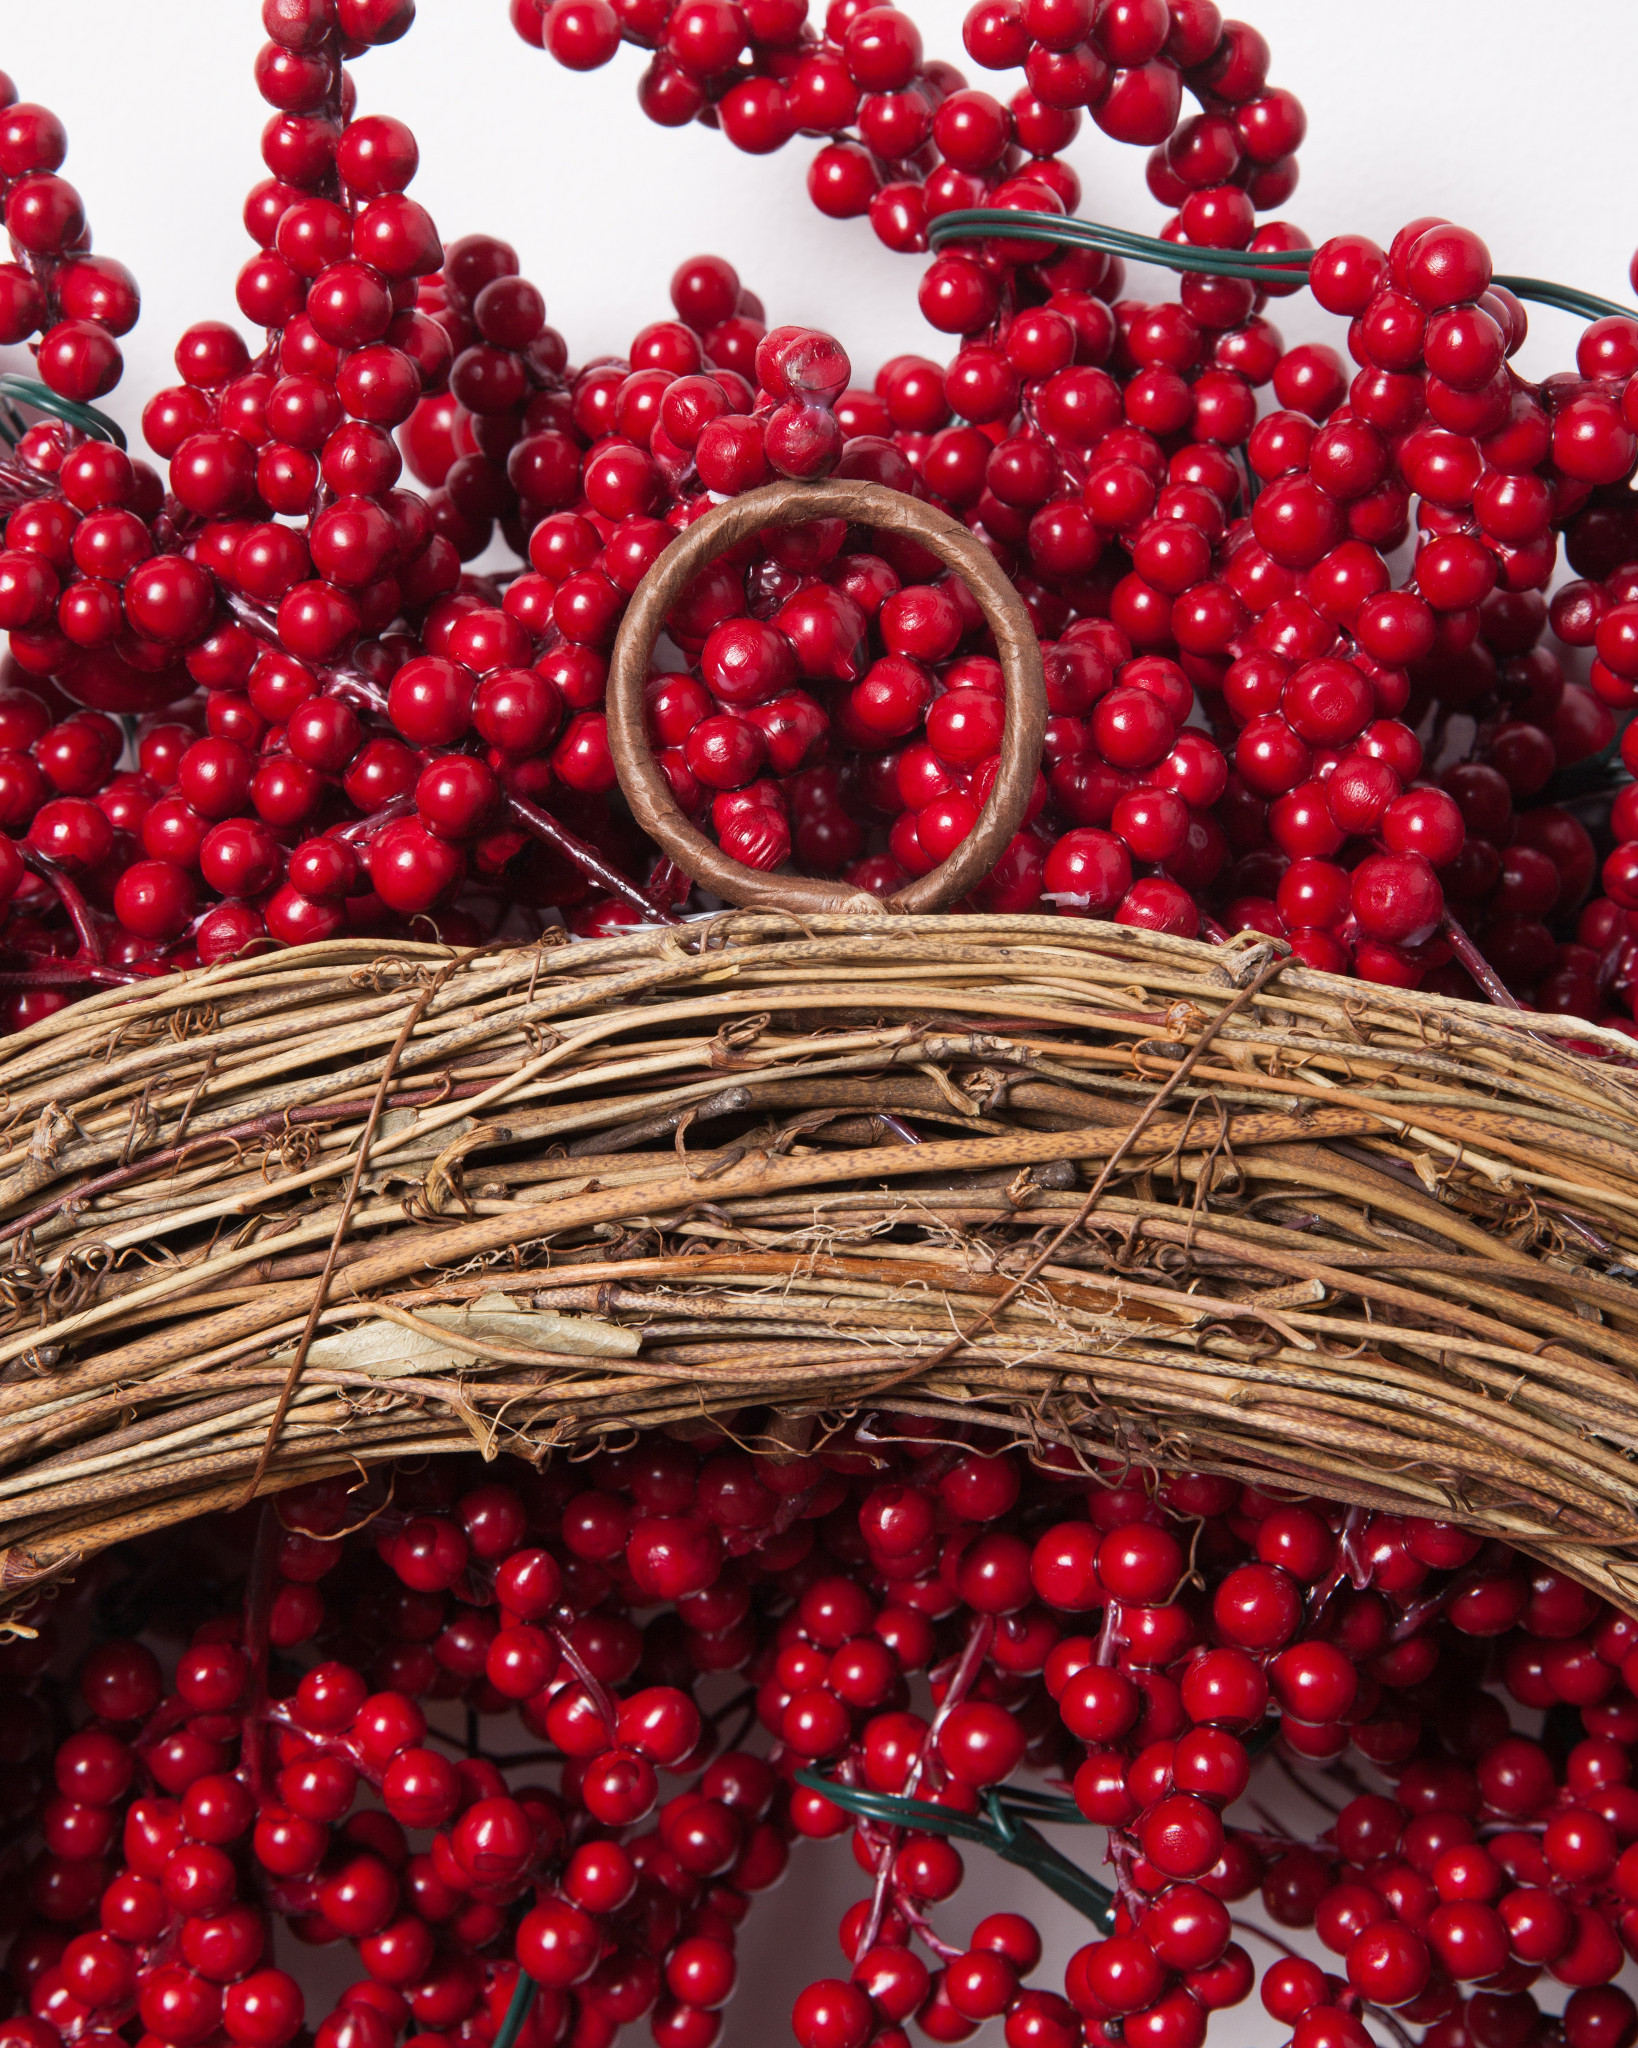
point(721, 1654)
point(77, 304)
point(1252, 725)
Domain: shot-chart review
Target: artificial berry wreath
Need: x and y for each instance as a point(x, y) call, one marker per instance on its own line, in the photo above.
point(263, 702)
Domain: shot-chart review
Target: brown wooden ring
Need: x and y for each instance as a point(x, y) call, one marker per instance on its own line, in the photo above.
point(786, 504)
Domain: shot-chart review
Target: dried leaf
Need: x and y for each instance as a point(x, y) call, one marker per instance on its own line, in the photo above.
point(389, 1350)
point(535, 1329)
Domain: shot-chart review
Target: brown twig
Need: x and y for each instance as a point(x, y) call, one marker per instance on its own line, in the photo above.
point(321, 1291)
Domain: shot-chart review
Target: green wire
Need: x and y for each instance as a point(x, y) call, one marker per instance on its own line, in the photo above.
point(989, 223)
point(30, 392)
point(1007, 1834)
point(523, 1998)
point(893, 1810)
point(1047, 1806)
point(1565, 297)
point(1260, 266)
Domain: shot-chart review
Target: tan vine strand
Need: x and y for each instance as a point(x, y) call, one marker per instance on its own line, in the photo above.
point(1352, 1241)
point(287, 1391)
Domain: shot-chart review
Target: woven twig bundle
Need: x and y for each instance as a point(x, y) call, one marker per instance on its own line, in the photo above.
point(1111, 1194)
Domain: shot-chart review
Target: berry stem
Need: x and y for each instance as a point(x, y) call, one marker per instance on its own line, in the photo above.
point(590, 863)
point(69, 974)
point(79, 911)
point(1347, 1565)
point(19, 485)
point(915, 1918)
point(1477, 965)
point(1386, 2019)
point(360, 831)
point(350, 684)
point(980, 1636)
point(587, 1677)
point(258, 1617)
point(1265, 1935)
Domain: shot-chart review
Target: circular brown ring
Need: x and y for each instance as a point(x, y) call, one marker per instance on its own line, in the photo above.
point(786, 504)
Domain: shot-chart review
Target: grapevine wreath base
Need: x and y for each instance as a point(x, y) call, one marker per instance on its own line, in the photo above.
point(1111, 1192)
point(840, 1364)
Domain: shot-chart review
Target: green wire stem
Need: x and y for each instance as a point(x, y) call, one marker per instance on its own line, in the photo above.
point(30, 392)
point(523, 1998)
point(1565, 297)
point(1007, 1833)
point(987, 223)
point(1259, 266)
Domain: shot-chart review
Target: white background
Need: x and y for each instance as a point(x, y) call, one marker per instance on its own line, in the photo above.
point(1514, 120)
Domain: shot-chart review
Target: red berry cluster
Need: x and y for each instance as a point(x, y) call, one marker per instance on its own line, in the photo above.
point(908, 140)
point(1076, 437)
point(76, 303)
point(1252, 724)
point(922, 1622)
